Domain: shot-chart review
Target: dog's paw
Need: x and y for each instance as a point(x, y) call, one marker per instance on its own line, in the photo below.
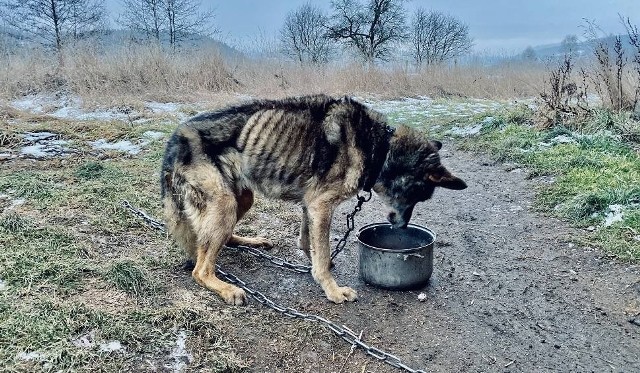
point(341, 294)
point(234, 296)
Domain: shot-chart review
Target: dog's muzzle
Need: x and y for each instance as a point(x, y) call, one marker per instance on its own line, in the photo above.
point(396, 221)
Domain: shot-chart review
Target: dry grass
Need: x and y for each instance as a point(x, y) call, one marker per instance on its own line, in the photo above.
point(132, 73)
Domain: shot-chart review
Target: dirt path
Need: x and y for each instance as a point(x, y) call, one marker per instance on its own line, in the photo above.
point(509, 292)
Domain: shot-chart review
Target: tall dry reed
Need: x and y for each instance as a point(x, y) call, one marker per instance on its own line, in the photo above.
point(148, 72)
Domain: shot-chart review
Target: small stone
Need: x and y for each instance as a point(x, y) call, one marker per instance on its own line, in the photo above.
point(422, 297)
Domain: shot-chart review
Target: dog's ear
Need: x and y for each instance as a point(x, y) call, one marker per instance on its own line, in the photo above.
point(446, 180)
point(436, 143)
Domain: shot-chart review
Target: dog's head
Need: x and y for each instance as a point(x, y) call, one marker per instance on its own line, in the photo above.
point(411, 173)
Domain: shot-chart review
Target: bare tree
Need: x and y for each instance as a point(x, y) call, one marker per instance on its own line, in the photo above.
point(184, 18)
point(52, 22)
point(177, 19)
point(145, 16)
point(437, 37)
point(303, 35)
point(371, 29)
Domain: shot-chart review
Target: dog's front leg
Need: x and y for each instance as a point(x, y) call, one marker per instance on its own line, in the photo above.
point(319, 213)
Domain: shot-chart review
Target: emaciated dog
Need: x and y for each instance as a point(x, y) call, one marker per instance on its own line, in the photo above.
point(314, 150)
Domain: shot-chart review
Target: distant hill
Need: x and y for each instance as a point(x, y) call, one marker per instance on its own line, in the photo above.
point(583, 48)
point(113, 38)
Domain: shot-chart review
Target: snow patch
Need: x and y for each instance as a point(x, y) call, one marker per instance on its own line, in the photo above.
point(181, 357)
point(614, 215)
point(153, 135)
point(15, 203)
point(3, 285)
point(43, 145)
point(63, 108)
point(38, 136)
point(33, 103)
point(29, 356)
point(466, 131)
point(75, 113)
point(85, 341)
point(124, 146)
point(160, 107)
point(110, 346)
point(563, 139)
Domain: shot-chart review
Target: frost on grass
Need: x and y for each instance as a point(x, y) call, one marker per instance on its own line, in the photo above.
point(63, 107)
point(180, 356)
point(70, 108)
point(429, 107)
point(3, 285)
point(163, 107)
point(110, 346)
point(87, 341)
point(613, 216)
point(153, 135)
point(465, 131)
point(43, 145)
point(30, 356)
point(124, 146)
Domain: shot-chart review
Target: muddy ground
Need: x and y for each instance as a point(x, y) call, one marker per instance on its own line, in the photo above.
point(512, 290)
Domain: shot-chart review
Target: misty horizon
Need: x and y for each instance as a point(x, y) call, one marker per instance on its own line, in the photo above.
point(497, 27)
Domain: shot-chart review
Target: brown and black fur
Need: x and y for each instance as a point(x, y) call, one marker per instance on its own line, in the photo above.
point(315, 150)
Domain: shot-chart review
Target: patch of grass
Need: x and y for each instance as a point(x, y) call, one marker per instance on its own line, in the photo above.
point(127, 276)
point(35, 258)
point(519, 114)
point(13, 223)
point(89, 170)
point(592, 170)
point(42, 187)
point(49, 331)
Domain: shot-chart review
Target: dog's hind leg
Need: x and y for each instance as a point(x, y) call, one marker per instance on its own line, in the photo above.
point(245, 201)
point(211, 209)
point(319, 213)
point(180, 230)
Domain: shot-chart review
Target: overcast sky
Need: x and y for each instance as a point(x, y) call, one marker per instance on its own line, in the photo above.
point(496, 25)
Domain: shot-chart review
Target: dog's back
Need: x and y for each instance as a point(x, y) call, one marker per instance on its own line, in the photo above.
point(278, 148)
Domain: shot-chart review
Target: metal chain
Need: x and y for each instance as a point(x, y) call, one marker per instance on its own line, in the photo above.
point(341, 331)
point(300, 268)
point(350, 224)
point(153, 223)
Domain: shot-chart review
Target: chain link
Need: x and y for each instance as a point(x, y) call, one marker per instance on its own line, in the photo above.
point(350, 224)
point(341, 331)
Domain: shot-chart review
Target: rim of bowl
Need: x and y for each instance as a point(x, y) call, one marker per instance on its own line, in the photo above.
point(409, 250)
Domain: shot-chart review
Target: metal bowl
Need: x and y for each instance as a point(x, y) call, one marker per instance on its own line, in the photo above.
point(394, 258)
